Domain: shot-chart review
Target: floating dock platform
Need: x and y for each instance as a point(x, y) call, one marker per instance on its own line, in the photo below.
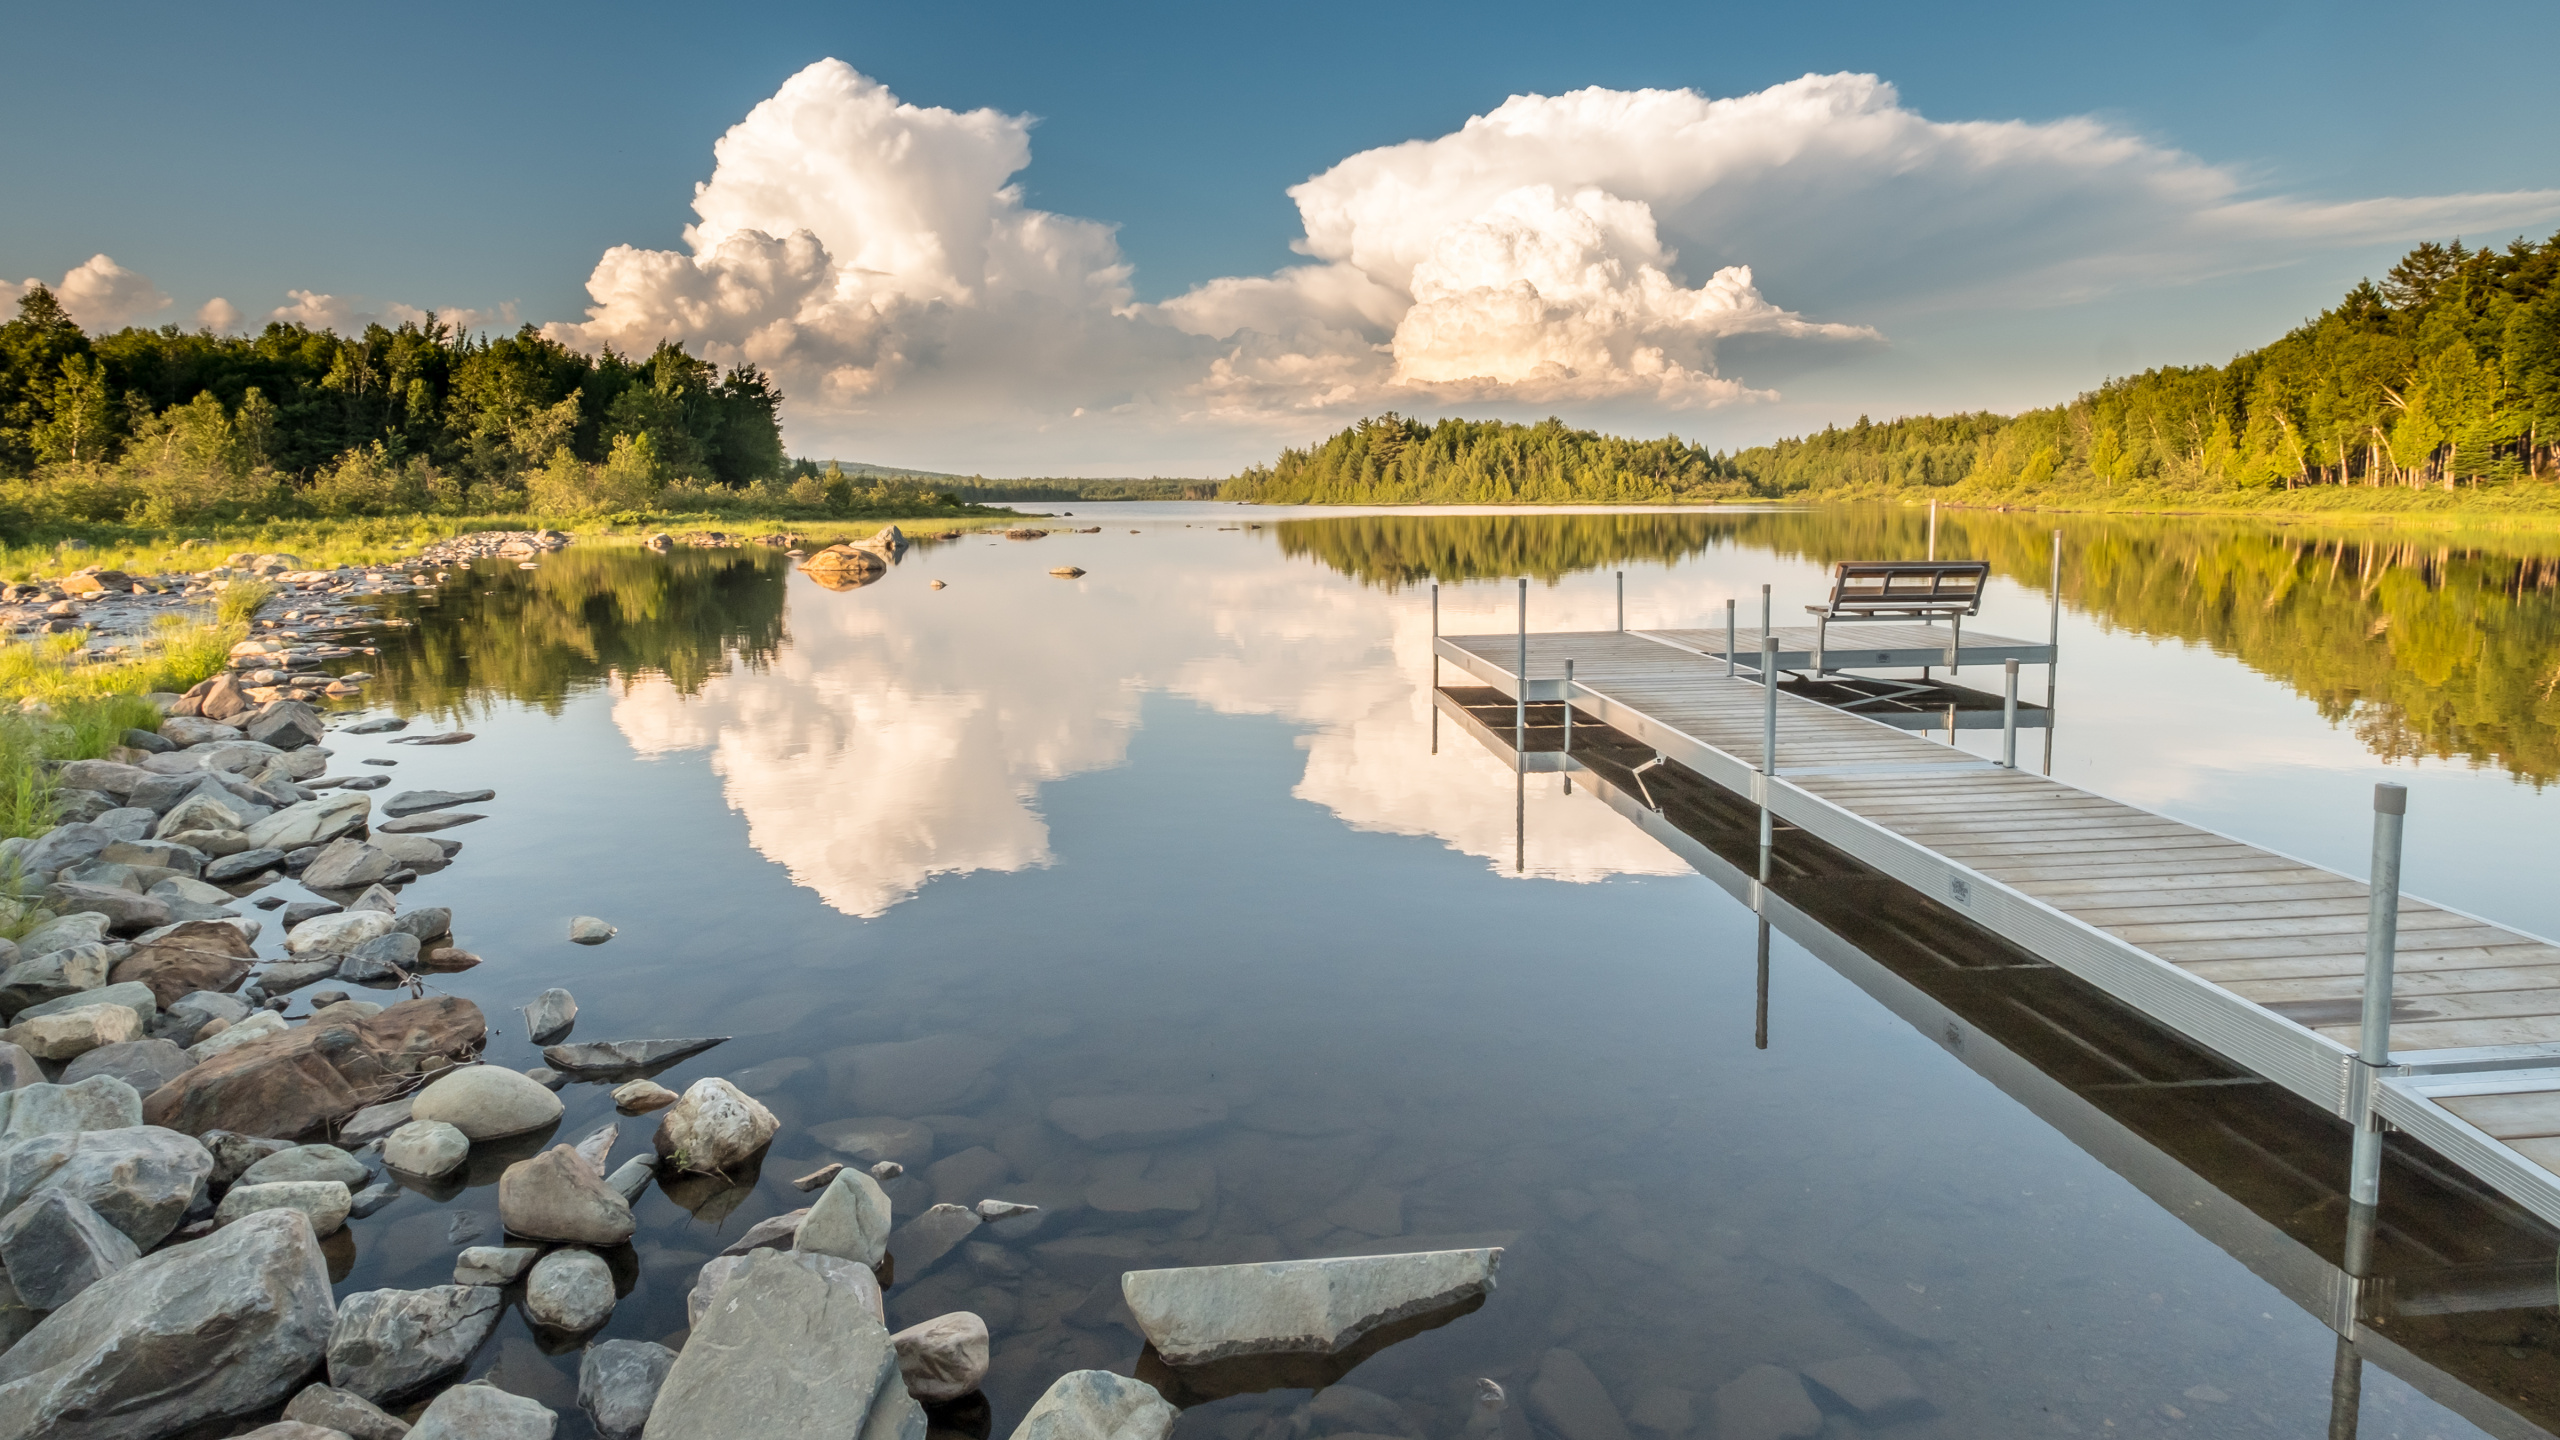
point(2257, 956)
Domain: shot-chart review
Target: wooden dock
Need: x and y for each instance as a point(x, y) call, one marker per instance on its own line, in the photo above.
point(2256, 955)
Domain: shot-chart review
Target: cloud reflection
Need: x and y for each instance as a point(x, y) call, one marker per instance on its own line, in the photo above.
point(902, 734)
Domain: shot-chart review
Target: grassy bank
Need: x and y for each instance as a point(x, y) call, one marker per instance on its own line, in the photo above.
point(59, 548)
point(2518, 508)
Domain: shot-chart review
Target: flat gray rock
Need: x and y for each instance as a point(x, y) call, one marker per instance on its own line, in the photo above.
point(243, 1315)
point(382, 726)
point(435, 820)
point(308, 1162)
point(346, 1412)
point(775, 1233)
point(618, 1381)
point(608, 1055)
point(493, 1264)
point(1876, 1387)
point(549, 1015)
point(419, 802)
point(781, 1350)
point(1113, 1122)
point(345, 863)
point(388, 1344)
point(484, 1412)
point(94, 1102)
point(1319, 1307)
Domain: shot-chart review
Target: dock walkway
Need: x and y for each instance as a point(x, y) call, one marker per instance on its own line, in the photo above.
point(2254, 954)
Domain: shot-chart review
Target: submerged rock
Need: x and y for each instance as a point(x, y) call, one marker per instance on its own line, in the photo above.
point(944, 1358)
point(390, 1343)
point(419, 802)
point(1114, 1122)
point(618, 1381)
point(1318, 1307)
point(1762, 1403)
point(1097, 1405)
point(609, 1055)
point(1571, 1401)
point(242, 1315)
point(781, 1350)
point(921, 1243)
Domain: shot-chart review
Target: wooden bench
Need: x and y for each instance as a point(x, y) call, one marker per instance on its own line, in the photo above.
point(1946, 590)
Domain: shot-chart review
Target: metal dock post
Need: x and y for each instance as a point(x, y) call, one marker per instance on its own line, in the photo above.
point(1622, 600)
point(2053, 650)
point(1730, 659)
point(1520, 703)
point(1435, 665)
point(2009, 720)
point(1768, 742)
point(1568, 725)
point(2381, 943)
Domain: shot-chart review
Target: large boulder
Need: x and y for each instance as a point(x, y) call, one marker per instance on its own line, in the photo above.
point(315, 1075)
point(1318, 1307)
point(55, 1247)
point(557, 1195)
point(715, 1127)
point(850, 1220)
point(388, 1344)
point(944, 1358)
point(618, 1381)
point(225, 1326)
point(141, 1179)
point(195, 955)
point(93, 1102)
point(485, 1102)
point(1097, 1405)
point(479, 1411)
point(782, 1351)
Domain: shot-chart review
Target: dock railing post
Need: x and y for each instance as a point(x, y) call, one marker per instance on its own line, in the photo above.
point(1568, 727)
point(2009, 720)
point(2381, 940)
point(1622, 602)
point(1520, 692)
point(1731, 660)
point(1768, 629)
point(1435, 667)
point(2052, 649)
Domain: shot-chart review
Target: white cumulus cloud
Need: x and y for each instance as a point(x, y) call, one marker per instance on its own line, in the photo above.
point(1600, 248)
point(99, 294)
point(218, 315)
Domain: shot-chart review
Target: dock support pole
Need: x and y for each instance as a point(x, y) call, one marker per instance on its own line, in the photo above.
point(1760, 1006)
point(1768, 635)
point(1568, 727)
point(2381, 940)
point(1435, 667)
point(1933, 529)
point(1731, 660)
point(2053, 650)
point(2009, 720)
point(1622, 602)
point(1768, 743)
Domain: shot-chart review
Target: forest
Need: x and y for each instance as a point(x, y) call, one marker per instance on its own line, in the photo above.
point(2443, 376)
point(160, 426)
point(1388, 459)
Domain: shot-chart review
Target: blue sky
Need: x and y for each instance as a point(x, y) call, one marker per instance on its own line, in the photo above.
point(484, 158)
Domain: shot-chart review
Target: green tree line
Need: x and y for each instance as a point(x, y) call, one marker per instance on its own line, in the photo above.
point(1388, 459)
point(165, 425)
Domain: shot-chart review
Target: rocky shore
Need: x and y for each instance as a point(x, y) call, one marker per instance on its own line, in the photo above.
point(221, 1040)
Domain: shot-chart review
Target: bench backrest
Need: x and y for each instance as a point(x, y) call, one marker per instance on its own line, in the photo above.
point(1905, 588)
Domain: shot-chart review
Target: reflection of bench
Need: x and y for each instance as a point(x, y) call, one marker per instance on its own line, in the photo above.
point(1945, 590)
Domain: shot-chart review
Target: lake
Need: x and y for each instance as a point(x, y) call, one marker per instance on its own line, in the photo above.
point(1178, 827)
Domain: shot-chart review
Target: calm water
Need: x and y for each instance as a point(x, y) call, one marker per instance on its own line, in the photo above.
point(1176, 827)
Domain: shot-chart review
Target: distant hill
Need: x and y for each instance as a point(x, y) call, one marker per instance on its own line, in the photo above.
point(979, 490)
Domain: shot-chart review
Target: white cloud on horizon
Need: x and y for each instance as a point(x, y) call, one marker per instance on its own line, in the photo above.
point(98, 293)
point(875, 256)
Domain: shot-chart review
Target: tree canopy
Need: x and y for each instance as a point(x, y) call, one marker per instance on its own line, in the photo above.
point(1389, 459)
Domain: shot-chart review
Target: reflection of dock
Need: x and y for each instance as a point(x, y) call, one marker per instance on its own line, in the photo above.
point(2258, 1172)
